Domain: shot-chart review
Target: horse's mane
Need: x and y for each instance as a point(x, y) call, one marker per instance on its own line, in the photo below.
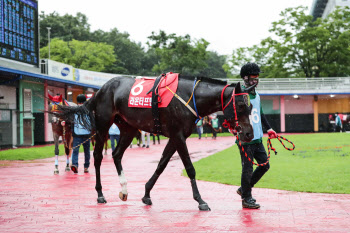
point(203, 79)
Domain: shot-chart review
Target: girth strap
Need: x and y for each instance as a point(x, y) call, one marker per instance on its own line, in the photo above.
point(155, 100)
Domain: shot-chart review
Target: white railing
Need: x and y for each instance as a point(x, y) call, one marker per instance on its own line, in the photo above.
point(302, 85)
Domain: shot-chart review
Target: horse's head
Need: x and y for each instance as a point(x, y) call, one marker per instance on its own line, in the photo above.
point(237, 113)
point(55, 99)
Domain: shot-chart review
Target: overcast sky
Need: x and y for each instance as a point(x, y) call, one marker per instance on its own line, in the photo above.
point(225, 24)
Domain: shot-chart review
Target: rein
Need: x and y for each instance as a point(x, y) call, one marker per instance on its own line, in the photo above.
point(195, 112)
point(237, 128)
point(269, 146)
point(65, 143)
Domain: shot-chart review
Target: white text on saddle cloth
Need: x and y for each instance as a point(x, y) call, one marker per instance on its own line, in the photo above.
point(138, 97)
point(140, 101)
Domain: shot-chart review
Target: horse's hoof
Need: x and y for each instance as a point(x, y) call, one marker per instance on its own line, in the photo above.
point(123, 196)
point(101, 200)
point(204, 207)
point(56, 172)
point(147, 200)
point(67, 169)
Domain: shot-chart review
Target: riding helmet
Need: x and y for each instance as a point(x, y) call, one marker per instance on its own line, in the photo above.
point(81, 99)
point(250, 69)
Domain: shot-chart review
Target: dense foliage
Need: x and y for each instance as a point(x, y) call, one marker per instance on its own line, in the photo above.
point(300, 46)
point(176, 54)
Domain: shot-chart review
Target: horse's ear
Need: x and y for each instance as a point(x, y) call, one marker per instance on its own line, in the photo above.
point(238, 88)
point(50, 97)
point(60, 98)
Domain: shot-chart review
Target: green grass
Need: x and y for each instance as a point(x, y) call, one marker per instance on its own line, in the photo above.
point(41, 152)
point(319, 163)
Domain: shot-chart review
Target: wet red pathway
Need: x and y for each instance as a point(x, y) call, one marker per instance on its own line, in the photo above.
point(33, 199)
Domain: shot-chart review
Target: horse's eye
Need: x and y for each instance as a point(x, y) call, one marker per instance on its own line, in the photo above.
point(246, 100)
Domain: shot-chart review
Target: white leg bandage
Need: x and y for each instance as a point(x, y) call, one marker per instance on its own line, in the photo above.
point(56, 160)
point(123, 182)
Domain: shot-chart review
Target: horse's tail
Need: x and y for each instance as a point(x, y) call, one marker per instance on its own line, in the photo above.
point(84, 113)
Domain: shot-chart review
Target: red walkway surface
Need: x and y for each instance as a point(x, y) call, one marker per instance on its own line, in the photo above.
point(33, 199)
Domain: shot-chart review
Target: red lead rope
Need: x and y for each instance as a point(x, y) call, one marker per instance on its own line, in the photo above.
point(226, 124)
point(269, 146)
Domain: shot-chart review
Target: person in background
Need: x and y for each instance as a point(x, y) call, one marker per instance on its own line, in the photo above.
point(143, 134)
point(80, 136)
point(338, 123)
point(154, 138)
point(114, 135)
point(199, 127)
point(254, 149)
point(215, 124)
point(207, 126)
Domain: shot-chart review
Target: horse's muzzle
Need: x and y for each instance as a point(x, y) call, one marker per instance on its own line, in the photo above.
point(247, 133)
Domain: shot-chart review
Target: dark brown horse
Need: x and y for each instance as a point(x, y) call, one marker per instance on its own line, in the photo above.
point(60, 129)
point(110, 104)
point(93, 142)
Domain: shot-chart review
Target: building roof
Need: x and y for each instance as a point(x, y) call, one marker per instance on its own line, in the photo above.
point(11, 72)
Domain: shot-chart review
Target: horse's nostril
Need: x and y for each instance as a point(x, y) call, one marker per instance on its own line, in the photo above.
point(247, 135)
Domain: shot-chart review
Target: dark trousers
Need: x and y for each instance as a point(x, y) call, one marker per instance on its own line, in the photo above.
point(75, 155)
point(214, 132)
point(154, 139)
point(250, 178)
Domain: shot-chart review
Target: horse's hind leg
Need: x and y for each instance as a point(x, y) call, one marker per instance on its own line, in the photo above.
point(126, 137)
point(167, 154)
point(99, 137)
point(185, 157)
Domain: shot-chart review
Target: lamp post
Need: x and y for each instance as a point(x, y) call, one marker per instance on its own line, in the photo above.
point(48, 35)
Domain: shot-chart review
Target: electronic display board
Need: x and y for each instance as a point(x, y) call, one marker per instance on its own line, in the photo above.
point(19, 31)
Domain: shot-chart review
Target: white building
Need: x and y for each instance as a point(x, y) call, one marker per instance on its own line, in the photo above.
point(322, 8)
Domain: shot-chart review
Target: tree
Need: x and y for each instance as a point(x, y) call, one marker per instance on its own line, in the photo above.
point(81, 54)
point(215, 63)
point(130, 54)
point(65, 27)
point(178, 53)
point(303, 47)
point(315, 47)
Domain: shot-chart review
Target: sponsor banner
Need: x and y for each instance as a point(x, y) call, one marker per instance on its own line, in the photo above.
point(91, 77)
point(59, 70)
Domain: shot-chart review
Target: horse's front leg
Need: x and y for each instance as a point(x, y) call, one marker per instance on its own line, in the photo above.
point(126, 138)
point(181, 148)
point(56, 141)
point(68, 146)
point(167, 154)
point(97, 162)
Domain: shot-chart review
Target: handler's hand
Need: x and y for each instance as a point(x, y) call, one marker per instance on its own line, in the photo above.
point(272, 133)
point(63, 123)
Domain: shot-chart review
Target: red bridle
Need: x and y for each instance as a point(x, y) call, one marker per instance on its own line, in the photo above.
point(237, 128)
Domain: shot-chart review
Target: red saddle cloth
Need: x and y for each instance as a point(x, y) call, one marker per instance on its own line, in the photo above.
point(138, 97)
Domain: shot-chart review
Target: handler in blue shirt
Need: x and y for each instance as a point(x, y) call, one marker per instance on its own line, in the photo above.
point(80, 135)
point(114, 135)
